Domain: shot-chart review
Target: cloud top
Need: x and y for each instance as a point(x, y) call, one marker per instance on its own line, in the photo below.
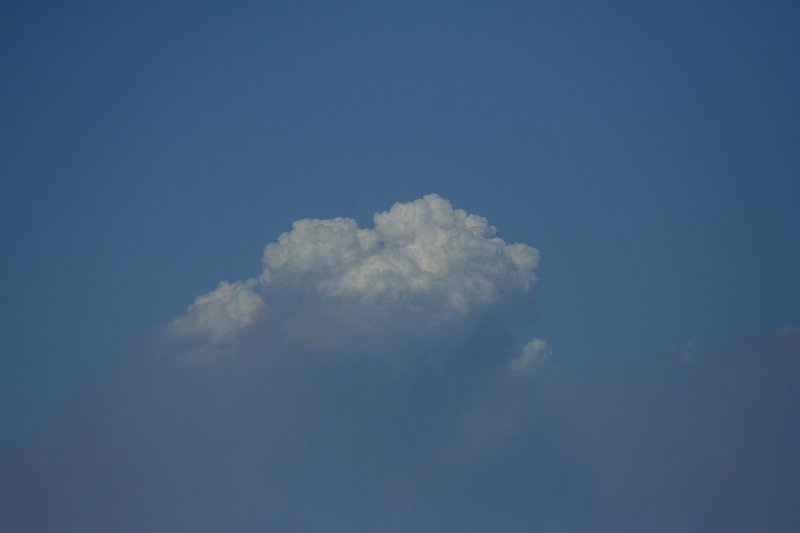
point(422, 256)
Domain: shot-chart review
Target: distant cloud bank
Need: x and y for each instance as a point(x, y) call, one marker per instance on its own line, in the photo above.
point(370, 379)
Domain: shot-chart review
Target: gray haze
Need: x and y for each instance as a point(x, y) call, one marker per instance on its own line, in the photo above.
point(371, 380)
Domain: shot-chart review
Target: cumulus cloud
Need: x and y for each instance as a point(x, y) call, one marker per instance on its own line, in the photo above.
point(226, 309)
point(422, 257)
point(533, 354)
point(372, 382)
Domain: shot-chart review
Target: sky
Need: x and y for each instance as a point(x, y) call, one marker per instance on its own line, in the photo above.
point(409, 266)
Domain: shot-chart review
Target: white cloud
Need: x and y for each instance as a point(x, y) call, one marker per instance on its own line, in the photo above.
point(221, 312)
point(533, 354)
point(422, 256)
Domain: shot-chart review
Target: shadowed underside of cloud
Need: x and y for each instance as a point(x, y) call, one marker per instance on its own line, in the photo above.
point(366, 380)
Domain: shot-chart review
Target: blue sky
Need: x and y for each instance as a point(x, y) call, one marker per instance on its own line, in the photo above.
point(148, 151)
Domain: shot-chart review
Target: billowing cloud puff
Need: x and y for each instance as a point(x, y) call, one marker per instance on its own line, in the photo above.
point(533, 353)
point(229, 307)
point(420, 257)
